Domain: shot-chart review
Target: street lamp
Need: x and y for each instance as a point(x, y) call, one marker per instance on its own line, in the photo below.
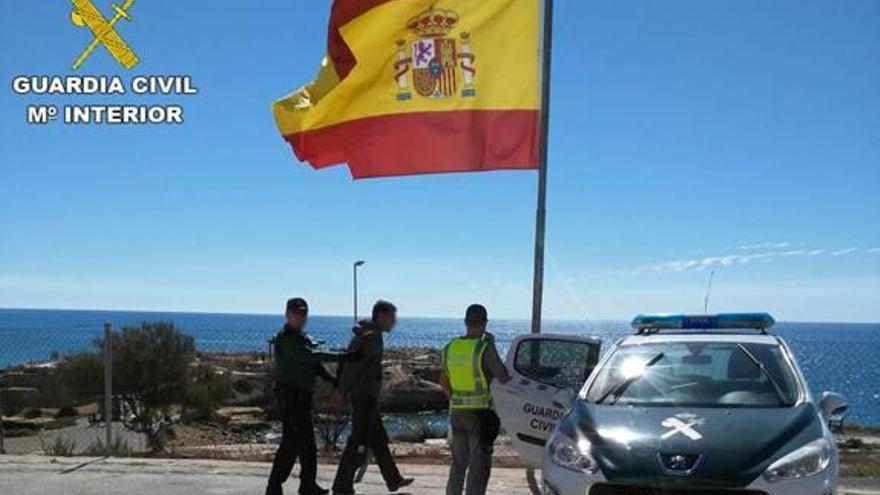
point(357, 264)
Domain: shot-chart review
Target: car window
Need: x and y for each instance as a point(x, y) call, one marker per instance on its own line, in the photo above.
point(697, 374)
point(558, 363)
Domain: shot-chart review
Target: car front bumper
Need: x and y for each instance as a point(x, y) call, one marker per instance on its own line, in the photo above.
point(561, 481)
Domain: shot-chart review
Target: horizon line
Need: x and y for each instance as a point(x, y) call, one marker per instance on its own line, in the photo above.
point(281, 315)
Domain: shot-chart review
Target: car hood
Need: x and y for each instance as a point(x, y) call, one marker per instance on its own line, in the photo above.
point(709, 446)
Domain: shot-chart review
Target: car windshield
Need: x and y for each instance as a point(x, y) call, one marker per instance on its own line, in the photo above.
point(696, 374)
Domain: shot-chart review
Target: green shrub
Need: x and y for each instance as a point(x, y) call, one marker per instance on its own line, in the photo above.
point(151, 372)
point(82, 374)
point(57, 423)
point(31, 413)
point(243, 387)
point(59, 446)
point(66, 412)
point(206, 392)
point(118, 448)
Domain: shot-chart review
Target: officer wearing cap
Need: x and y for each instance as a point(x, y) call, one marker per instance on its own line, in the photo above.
point(470, 363)
point(297, 363)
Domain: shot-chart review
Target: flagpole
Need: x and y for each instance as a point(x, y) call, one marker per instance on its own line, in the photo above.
point(541, 212)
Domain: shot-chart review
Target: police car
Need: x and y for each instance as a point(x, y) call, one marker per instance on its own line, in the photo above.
point(688, 405)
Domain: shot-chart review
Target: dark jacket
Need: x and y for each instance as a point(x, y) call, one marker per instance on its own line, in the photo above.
point(364, 376)
point(297, 360)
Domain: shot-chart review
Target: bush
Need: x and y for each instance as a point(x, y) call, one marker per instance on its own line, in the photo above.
point(66, 412)
point(206, 392)
point(151, 372)
point(59, 446)
point(330, 423)
point(83, 375)
point(58, 423)
point(243, 387)
point(118, 448)
point(31, 413)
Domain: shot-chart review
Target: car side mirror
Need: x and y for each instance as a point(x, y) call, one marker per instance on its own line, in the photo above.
point(833, 407)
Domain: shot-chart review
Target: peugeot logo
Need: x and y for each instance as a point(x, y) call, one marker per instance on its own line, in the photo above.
point(679, 464)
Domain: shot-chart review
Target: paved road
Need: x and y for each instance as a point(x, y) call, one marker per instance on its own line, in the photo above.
point(39, 475)
point(36, 475)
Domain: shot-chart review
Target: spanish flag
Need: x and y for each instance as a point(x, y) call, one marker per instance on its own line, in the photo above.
point(421, 86)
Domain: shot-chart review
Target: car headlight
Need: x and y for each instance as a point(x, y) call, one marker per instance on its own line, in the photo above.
point(808, 460)
point(572, 453)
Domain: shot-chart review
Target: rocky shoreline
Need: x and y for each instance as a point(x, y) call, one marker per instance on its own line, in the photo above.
point(245, 426)
point(411, 381)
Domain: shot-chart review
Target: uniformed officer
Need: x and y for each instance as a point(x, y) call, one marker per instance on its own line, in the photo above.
point(297, 363)
point(470, 363)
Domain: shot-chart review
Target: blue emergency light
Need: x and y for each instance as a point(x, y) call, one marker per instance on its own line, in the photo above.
point(723, 321)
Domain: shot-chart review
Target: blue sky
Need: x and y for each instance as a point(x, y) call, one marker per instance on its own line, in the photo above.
point(739, 136)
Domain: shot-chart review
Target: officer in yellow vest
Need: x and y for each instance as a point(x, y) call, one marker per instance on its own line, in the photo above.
point(470, 363)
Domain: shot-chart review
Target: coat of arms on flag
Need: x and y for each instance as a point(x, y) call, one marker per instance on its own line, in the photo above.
point(399, 92)
point(435, 58)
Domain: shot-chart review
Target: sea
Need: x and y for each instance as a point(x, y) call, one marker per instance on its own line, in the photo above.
point(839, 357)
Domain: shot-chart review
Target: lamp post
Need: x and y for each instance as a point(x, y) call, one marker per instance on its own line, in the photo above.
point(357, 264)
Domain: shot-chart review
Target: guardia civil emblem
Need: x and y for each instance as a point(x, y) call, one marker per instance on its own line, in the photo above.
point(434, 62)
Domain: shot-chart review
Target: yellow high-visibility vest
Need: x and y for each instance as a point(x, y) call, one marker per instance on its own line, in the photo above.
point(462, 361)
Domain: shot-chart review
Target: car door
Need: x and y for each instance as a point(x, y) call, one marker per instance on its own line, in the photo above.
point(546, 371)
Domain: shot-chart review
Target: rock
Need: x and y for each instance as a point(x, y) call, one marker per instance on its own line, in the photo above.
point(403, 391)
point(243, 418)
point(250, 389)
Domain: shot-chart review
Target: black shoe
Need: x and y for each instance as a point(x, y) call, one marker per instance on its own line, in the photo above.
point(274, 490)
point(315, 490)
point(400, 484)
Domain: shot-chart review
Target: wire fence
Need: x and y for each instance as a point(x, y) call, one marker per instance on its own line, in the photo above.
point(173, 392)
point(209, 393)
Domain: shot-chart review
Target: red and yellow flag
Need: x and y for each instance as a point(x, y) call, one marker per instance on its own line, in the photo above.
point(421, 86)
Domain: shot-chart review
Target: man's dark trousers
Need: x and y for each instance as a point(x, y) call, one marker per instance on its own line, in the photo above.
point(297, 440)
point(367, 431)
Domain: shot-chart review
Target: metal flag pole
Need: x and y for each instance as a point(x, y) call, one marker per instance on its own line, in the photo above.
point(541, 213)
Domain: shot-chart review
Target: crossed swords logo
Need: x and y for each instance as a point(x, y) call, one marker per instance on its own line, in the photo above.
point(683, 424)
point(86, 14)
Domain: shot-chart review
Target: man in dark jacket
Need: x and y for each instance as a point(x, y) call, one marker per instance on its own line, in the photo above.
point(361, 382)
point(297, 364)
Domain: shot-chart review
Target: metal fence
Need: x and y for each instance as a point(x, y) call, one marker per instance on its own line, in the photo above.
point(39, 411)
point(46, 408)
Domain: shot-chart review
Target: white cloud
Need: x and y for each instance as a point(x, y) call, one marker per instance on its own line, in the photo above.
point(764, 245)
point(774, 253)
point(845, 251)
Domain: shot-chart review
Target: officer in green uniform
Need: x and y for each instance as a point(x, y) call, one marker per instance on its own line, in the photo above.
point(297, 363)
point(470, 363)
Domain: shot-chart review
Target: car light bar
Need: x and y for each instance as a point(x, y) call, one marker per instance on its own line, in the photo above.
point(724, 321)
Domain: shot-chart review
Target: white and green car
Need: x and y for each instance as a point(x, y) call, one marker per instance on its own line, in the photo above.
point(688, 405)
